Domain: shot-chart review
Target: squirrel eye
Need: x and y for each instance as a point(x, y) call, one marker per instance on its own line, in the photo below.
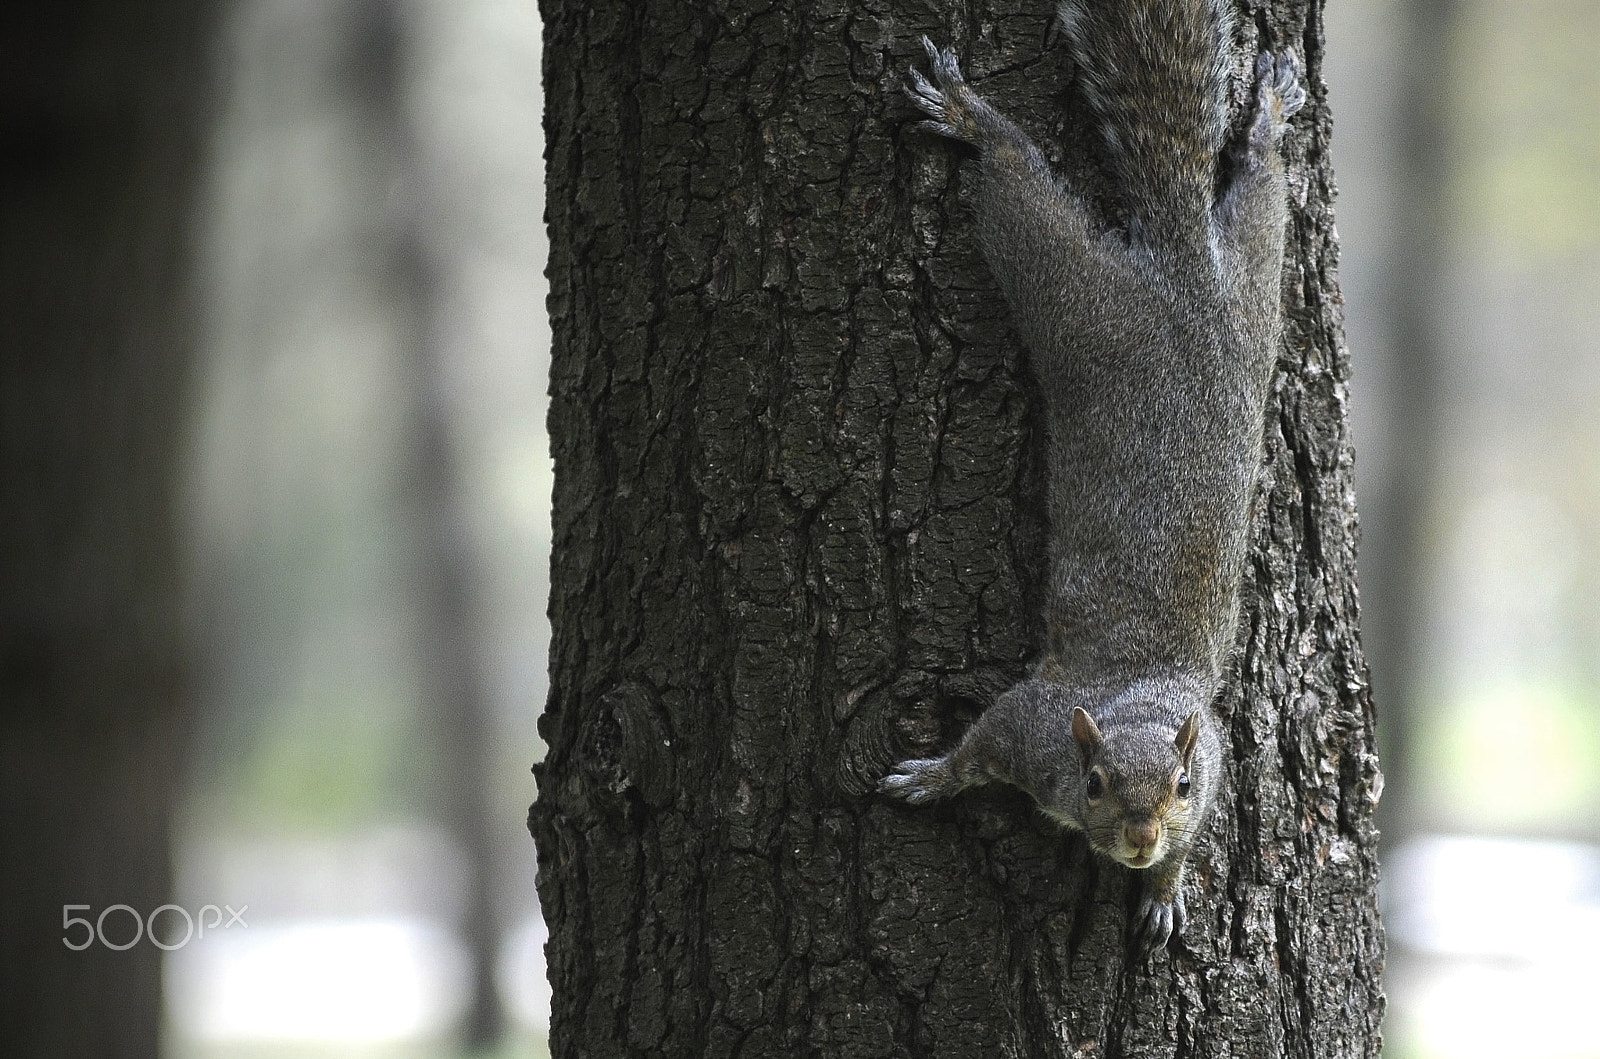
point(1095, 787)
point(1183, 785)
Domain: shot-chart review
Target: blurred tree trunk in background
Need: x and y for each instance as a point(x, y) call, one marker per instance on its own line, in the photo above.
point(100, 127)
point(454, 690)
point(1395, 554)
point(796, 510)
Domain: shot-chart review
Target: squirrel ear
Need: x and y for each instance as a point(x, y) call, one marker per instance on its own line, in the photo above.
point(1085, 731)
point(1188, 735)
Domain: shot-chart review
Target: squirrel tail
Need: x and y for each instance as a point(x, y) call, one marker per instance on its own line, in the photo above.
point(1156, 72)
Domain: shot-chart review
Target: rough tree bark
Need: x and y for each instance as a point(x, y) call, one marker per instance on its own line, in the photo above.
point(797, 524)
point(100, 129)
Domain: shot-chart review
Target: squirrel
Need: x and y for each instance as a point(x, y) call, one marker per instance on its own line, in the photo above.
point(1153, 338)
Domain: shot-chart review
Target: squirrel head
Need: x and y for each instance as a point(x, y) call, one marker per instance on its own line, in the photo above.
point(1136, 786)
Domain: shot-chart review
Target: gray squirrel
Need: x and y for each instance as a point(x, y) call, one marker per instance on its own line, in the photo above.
point(1153, 339)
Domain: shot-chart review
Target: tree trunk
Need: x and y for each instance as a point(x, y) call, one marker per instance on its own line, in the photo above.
point(100, 123)
point(1414, 380)
point(454, 688)
point(798, 525)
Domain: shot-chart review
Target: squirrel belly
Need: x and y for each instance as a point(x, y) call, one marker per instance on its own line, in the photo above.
point(1153, 343)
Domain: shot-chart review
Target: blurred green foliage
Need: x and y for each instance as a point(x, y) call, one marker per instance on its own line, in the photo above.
point(1526, 88)
point(1518, 756)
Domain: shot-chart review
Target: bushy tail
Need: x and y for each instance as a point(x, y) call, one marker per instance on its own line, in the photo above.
point(1156, 72)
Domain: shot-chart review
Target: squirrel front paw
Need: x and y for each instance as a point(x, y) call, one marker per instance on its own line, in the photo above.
point(955, 109)
point(921, 780)
point(1158, 920)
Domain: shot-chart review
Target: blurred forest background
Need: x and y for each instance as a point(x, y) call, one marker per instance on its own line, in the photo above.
point(368, 509)
point(368, 503)
point(1467, 151)
point(363, 510)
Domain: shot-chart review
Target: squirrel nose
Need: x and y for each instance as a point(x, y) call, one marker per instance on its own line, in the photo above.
point(1141, 834)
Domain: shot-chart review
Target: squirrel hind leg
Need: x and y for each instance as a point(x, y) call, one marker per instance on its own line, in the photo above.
point(956, 111)
point(1250, 207)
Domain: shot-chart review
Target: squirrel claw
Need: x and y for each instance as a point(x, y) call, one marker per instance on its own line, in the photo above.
point(1158, 921)
point(945, 99)
point(1279, 95)
point(930, 101)
point(946, 68)
point(919, 780)
point(1286, 83)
